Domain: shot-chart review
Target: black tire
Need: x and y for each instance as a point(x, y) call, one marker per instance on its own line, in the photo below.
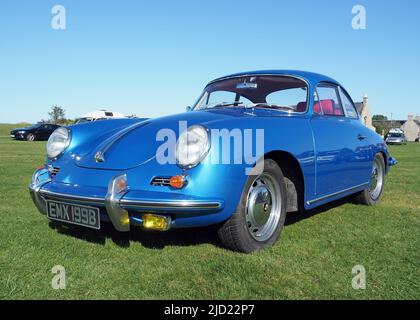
point(234, 233)
point(31, 137)
point(367, 197)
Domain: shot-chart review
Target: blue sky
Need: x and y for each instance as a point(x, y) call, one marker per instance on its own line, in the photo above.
point(153, 58)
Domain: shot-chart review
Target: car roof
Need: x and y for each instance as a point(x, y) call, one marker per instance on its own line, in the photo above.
point(310, 77)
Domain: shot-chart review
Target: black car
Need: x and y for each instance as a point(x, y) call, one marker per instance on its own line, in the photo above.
point(39, 131)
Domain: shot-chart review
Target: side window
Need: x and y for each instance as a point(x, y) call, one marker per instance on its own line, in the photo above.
point(348, 105)
point(329, 100)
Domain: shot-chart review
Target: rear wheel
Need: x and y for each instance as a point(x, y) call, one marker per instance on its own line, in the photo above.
point(373, 194)
point(30, 137)
point(260, 215)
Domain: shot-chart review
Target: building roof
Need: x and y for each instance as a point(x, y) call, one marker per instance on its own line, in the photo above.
point(395, 122)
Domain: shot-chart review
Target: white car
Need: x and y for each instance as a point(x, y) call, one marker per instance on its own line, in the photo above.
point(100, 115)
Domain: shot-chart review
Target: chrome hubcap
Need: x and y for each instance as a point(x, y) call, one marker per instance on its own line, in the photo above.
point(376, 180)
point(263, 208)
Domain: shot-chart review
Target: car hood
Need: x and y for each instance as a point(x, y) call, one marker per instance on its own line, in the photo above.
point(137, 143)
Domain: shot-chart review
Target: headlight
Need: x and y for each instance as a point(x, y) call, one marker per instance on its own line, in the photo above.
point(58, 142)
point(192, 146)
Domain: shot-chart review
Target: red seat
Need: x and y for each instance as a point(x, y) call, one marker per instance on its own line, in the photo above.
point(327, 106)
point(317, 107)
point(301, 107)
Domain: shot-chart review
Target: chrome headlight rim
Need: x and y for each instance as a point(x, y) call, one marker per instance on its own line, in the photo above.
point(204, 152)
point(66, 145)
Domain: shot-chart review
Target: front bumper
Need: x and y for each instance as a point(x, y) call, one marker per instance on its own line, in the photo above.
point(399, 142)
point(18, 136)
point(115, 205)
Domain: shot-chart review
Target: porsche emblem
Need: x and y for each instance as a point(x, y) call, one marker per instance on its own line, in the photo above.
point(99, 157)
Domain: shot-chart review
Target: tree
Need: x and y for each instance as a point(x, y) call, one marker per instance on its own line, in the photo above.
point(379, 117)
point(57, 114)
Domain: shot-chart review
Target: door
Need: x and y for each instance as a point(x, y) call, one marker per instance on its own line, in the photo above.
point(43, 131)
point(341, 150)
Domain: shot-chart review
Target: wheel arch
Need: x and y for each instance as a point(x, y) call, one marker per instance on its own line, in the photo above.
point(294, 179)
point(384, 155)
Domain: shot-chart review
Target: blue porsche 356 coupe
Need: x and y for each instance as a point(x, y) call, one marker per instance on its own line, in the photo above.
point(254, 146)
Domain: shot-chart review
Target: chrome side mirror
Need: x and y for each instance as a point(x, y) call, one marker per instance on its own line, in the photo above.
point(188, 109)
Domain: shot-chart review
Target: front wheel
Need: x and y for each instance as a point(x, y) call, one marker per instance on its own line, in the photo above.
point(30, 137)
point(373, 194)
point(260, 215)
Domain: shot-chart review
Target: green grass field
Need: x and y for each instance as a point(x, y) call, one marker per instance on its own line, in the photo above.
point(313, 259)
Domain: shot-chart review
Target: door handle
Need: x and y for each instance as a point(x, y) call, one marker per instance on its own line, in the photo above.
point(361, 137)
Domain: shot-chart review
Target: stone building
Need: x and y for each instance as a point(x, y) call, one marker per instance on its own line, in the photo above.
point(411, 128)
point(364, 112)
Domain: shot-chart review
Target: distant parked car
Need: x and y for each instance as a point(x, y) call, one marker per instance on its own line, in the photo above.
point(39, 131)
point(396, 138)
point(99, 115)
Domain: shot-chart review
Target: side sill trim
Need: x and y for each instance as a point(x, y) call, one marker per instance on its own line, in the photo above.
point(336, 193)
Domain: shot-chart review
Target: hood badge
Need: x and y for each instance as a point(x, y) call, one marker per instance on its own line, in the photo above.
point(99, 156)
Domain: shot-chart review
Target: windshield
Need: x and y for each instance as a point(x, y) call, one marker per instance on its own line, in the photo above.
point(273, 92)
point(395, 135)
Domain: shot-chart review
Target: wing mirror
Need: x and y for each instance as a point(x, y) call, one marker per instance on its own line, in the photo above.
point(188, 109)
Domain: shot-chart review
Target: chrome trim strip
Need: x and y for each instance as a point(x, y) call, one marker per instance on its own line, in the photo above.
point(172, 204)
point(137, 203)
point(336, 193)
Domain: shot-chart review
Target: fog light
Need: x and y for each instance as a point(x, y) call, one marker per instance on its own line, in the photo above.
point(125, 219)
point(156, 222)
point(177, 181)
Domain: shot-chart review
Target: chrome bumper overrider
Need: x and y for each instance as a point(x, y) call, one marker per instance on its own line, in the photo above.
point(117, 206)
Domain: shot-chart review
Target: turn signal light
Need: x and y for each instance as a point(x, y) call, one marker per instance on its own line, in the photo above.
point(121, 184)
point(177, 182)
point(156, 222)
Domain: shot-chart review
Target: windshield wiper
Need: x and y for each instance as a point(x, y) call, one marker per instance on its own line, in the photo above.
point(269, 106)
point(224, 104)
